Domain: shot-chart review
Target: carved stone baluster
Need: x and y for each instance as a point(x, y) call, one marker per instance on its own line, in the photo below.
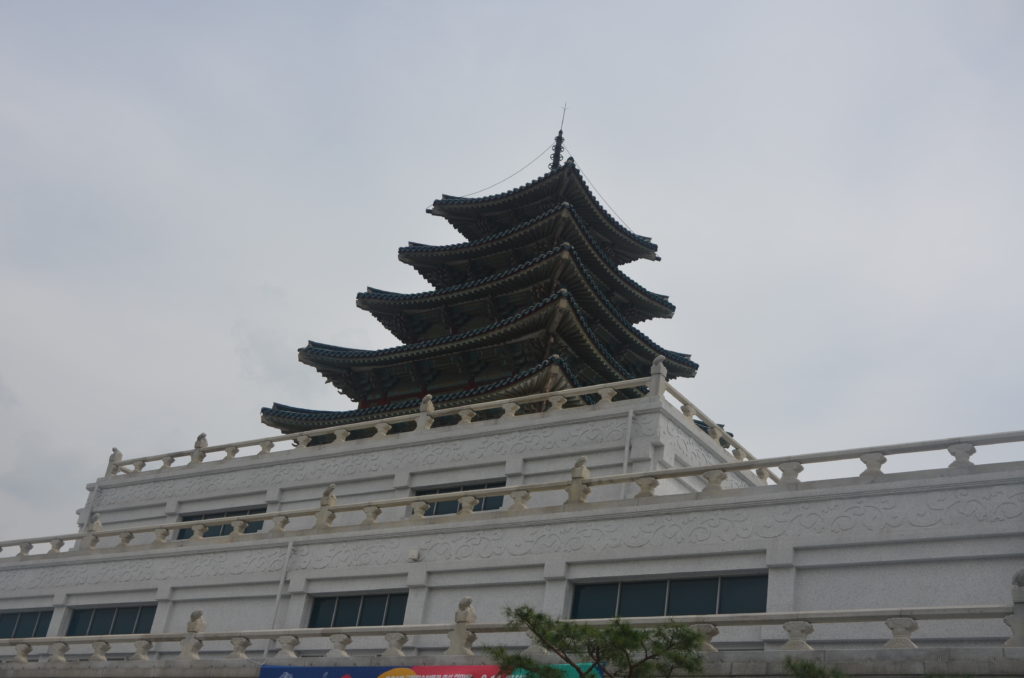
point(709, 631)
point(93, 525)
point(160, 535)
point(198, 456)
point(1015, 620)
point(265, 447)
point(142, 648)
point(467, 504)
point(21, 651)
point(737, 454)
point(962, 453)
point(231, 451)
point(688, 411)
point(280, 522)
point(324, 515)
point(466, 415)
point(302, 440)
point(114, 462)
point(607, 395)
point(873, 462)
point(460, 638)
point(125, 538)
point(659, 377)
point(790, 474)
point(24, 548)
point(510, 409)
point(339, 645)
point(713, 481)
point(341, 435)
point(578, 488)
point(58, 652)
point(647, 486)
point(381, 430)
point(198, 531)
point(287, 645)
point(100, 648)
point(238, 527)
point(425, 419)
point(138, 466)
point(901, 628)
point(166, 461)
point(56, 545)
point(798, 631)
point(520, 498)
point(395, 641)
point(761, 472)
point(239, 644)
point(371, 513)
point(190, 644)
point(713, 431)
point(557, 402)
point(419, 509)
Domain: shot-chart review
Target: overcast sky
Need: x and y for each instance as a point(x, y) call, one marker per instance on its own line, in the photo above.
point(191, 191)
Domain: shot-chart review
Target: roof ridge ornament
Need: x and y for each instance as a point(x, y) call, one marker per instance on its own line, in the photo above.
point(556, 156)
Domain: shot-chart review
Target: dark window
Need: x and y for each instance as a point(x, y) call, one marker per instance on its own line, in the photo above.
point(442, 508)
point(221, 530)
point(30, 624)
point(660, 597)
point(98, 621)
point(378, 609)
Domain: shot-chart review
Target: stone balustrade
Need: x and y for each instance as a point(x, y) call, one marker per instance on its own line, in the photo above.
point(576, 487)
point(193, 644)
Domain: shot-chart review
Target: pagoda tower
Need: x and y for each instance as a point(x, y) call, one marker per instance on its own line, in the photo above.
point(533, 301)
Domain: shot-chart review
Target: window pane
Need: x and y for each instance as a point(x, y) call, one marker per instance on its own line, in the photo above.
point(79, 625)
point(373, 610)
point(7, 622)
point(26, 626)
point(323, 612)
point(42, 624)
point(396, 609)
point(592, 601)
point(693, 596)
point(348, 611)
point(642, 599)
point(102, 620)
point(743, 594)
point(145, 621)
point(185, 532)
point(443, 508)
point(124, 620)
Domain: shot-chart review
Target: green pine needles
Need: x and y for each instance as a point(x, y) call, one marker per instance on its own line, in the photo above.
point(616, 650)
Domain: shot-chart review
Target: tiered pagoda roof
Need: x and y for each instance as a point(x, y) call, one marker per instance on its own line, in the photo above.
point(533, 302)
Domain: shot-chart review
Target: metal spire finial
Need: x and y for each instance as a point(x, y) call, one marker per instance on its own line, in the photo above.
point(556, 156)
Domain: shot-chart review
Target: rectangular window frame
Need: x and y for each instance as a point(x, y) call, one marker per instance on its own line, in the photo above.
point(143, 616)
point(38, 619)
point(391, 599)
point(221, 530)
point(668, 581)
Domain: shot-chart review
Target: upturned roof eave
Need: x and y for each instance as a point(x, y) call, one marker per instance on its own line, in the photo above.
point(457, 210)
point(658, 304)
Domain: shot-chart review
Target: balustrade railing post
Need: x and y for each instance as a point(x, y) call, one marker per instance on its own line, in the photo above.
point(191, 644)
point(460, 638)
point(160, 535)
point(798, 631)
point(265, 447)
point(419, 509)
point(962, 453)
point(713, 481)
point(339, 645)
point(239, 644)
point(21, 651)
point(371, 514)
point(280, 522)
point(790, 474)
point(325, 516)
point(647, 486)
point(142, 648)
point(578, 488)
point(287, 645)
point(303, 440)
point(901, 628)
point(467, 504)
point(395, 641)
point(58, 652)
point(519, 499)
point(100, 648)
point(873, 462)
point(659, 377)
point(425, 419)
point(56, 545)
point(709, 631)
point(114, 462)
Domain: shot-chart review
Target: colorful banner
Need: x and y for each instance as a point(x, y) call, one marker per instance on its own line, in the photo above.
point(480, 671)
